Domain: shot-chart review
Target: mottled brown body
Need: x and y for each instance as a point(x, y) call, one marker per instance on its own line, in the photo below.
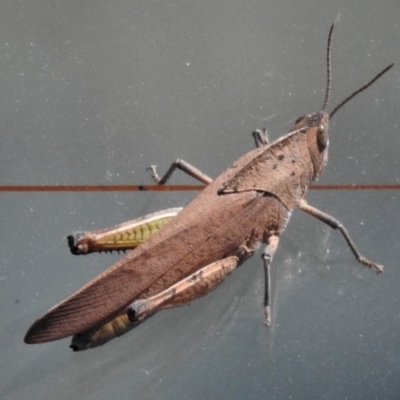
point(180, 248)
point(249, 203)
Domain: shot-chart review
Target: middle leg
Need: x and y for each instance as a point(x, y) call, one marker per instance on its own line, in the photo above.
point(267, 255)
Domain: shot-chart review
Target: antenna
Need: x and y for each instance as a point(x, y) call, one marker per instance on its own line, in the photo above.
point(361, 89)
point(328, 70)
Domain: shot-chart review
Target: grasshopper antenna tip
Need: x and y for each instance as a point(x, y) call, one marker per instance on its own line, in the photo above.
point(328, 69)
point(359, 90)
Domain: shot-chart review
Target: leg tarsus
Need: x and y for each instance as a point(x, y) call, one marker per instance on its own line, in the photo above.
point(335, 224)
point(154, 175)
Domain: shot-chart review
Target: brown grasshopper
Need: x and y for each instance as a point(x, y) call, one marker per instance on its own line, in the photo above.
point(249, 203)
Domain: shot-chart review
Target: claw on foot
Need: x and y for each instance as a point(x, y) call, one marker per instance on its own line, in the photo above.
point(378, 267)
point(267, 315)
point(154, 175)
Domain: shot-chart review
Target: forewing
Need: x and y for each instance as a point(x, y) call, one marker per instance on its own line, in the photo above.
point(126, 280)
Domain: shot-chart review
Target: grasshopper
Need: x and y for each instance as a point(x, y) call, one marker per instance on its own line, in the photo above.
point(248, 204)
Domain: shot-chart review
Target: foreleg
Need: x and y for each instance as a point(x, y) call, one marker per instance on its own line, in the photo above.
point(335, 224)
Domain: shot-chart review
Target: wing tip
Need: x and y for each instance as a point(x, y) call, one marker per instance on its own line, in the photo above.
point(40, 332)
point(33, 334)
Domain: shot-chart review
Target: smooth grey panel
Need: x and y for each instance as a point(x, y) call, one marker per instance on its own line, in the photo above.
point(94, 92)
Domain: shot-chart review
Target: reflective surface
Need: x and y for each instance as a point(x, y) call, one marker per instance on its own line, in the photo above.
point(94, 93)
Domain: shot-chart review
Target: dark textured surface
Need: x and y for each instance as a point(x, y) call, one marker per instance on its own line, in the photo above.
point(95, 93)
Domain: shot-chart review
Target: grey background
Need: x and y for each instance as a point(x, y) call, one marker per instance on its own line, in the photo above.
point(94, 92)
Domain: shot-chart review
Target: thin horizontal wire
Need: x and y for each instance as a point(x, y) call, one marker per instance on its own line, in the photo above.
point(163, 188)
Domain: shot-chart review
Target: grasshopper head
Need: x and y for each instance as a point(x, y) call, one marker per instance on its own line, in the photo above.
point(315, 127)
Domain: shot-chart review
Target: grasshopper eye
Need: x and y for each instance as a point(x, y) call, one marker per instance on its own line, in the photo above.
point(322, 138)
point(299, 119)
